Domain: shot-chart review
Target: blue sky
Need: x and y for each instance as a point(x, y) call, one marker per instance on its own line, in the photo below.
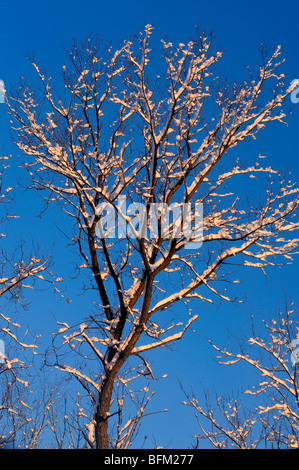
point(44, 28)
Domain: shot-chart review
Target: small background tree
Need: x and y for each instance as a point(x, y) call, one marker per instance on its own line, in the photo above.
point(270, 417)
point(24, 403)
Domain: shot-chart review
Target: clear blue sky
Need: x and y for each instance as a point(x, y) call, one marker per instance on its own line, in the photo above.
point(240, 27)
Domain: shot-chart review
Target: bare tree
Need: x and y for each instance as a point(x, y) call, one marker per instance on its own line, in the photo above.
point(27, 404)
point(115, 131)
point(21, 420)
point(272, 419)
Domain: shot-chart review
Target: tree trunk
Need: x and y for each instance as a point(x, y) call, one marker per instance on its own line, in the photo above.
point(105, 394)
point(102, 414)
